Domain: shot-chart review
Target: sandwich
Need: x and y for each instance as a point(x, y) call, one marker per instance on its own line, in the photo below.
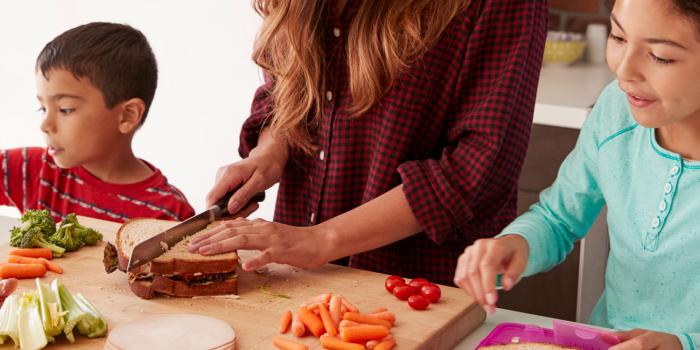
point(175, 273)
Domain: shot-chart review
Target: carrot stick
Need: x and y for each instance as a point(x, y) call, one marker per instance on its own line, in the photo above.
point(349, 305)
point(328, 323)
point(285, 321)
point(385, 345)
point(332, 343)
point(32, 252)
point(384, 315)
point(313, 306)
point(22, 270)
point(361, 334)
point(311, 321)
point(334, 308)
point(285, 344)
point(379, 309)
point(371, 344)
point(17, 259)
point(51, 266)
point(347, 323)
point(366, 319)
point(298, 328)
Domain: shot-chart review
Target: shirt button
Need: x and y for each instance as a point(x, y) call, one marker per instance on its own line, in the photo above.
point(675, 169)
point(329, 95)
point(662, 205)
point(655, 223)
point(336, 32)
point(322, 155)
point(313, 216)
point(668, 187)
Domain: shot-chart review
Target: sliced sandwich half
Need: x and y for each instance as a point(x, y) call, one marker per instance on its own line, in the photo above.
point(177, 272)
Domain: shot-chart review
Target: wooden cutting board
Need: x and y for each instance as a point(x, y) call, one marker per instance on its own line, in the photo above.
point(255, 315)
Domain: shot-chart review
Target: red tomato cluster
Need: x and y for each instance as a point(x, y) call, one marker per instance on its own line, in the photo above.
point(419, 291)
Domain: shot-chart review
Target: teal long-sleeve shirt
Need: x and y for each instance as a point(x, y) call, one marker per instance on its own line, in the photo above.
point(652, 279)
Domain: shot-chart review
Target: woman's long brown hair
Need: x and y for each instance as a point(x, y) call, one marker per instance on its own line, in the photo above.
point(387, 36)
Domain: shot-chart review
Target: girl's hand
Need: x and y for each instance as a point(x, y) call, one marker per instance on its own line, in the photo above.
point(304, 247)
point(642, 339)
point(482, 261)
point(262, 169)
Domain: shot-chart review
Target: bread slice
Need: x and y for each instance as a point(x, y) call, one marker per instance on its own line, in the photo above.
point(177, 260)
point(177, 272)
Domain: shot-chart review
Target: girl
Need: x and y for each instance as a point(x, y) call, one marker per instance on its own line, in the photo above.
point(638, 153)
point(396, 130)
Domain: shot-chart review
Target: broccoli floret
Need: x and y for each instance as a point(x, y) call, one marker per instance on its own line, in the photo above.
point(35, 238)
point(71, 235)
point(66, 237)
point(40, 219)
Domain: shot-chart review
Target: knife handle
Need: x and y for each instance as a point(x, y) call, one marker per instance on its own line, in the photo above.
point(223, 202)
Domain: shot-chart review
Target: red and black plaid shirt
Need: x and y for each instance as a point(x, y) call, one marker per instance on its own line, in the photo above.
point(453, 130)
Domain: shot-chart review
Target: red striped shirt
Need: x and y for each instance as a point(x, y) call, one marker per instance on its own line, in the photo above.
point(453, 130)
point(29, 179)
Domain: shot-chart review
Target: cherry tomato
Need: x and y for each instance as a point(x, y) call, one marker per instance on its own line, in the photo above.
point(404, 291)
point(431, 292)
point(393, 281)
point(418, 302)
point(418, 282)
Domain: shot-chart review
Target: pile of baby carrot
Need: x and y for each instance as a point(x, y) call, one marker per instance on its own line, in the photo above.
point(28, 263)
point(338, 324)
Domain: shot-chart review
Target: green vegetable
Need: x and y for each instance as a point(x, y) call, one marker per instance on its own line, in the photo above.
point(8, 319)
point(263, 288)
point(37, 225)
point(74, 314)
point(93, 325)
point(31, 238)
point(71, 235)
point(31, 330)
point(51, 310)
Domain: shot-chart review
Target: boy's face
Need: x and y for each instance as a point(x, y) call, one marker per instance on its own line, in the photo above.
point(78, 126)
point(655, 53)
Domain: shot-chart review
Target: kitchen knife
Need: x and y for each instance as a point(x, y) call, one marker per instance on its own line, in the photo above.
point(157, 245)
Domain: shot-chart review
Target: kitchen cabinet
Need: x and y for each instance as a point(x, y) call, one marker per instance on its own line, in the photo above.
point(564, 99)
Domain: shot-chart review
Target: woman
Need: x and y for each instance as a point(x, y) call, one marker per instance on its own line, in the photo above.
point(396, 130)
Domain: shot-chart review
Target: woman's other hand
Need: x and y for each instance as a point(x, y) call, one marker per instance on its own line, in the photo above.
point(481, 262)
point(303, 247)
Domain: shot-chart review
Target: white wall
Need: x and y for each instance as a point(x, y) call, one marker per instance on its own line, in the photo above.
point(206, 79)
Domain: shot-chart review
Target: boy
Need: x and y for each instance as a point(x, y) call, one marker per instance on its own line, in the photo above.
point(95, 84)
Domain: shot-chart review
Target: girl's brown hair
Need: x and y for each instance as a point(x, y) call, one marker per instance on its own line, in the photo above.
point(387, 37)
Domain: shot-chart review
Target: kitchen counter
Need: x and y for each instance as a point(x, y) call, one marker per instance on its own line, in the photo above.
point(468, 343)
point(565, 95)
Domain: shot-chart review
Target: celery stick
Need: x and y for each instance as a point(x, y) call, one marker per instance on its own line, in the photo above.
point(51, 310)
point(8, 319)
point(74, 312)
point(31, 329)
point(93, 325)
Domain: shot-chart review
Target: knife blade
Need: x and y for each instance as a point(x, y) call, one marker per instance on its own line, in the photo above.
point(157, 245)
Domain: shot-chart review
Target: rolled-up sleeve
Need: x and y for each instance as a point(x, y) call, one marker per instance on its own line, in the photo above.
point(260, 111)
point(487, 135)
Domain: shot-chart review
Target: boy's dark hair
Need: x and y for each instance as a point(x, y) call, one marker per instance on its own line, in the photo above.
point(115, 57)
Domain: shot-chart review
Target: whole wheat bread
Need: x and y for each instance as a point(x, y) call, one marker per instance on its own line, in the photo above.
point(177, 272)
point(178, 260)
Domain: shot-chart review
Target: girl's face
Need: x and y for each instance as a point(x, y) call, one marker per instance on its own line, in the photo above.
point(655, 53)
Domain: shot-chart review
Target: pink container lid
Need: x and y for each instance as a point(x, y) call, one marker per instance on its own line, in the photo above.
point(564, 333)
